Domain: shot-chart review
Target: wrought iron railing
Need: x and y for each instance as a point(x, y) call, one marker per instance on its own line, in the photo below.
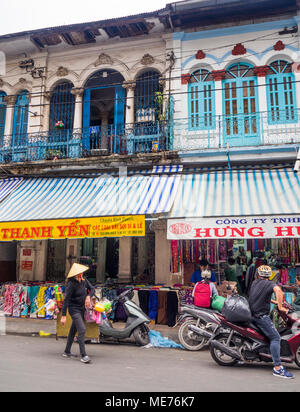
point(239, 130)
point(93, 141)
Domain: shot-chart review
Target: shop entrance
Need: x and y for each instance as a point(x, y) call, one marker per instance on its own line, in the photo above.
point(56, 261)
point(112, 257)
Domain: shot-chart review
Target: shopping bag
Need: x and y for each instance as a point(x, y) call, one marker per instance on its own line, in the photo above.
point(218, 303)
point(236, 309)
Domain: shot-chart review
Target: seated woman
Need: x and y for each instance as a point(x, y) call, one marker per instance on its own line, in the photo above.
point(204, 291)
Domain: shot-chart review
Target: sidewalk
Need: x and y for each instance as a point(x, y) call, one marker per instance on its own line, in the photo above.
point(32, 327)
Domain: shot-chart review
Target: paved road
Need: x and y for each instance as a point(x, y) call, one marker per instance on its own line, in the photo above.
point(35, 364)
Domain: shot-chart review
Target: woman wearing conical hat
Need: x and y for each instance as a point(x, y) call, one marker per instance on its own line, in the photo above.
point(78, 297)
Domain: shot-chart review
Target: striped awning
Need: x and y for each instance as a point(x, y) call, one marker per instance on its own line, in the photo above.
point(107, 195)
point(7, 186)
point(241, 192)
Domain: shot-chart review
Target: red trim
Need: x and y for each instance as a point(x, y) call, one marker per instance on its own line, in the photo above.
point(261, 71)
point(279, 46)
point(185, 78)
point(200, 55)
point(218, 75)
point(239, 50)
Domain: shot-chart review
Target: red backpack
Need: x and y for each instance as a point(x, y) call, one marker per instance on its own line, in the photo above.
point(202, 295)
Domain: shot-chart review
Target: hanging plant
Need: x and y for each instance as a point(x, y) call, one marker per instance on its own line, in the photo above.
point(59, 125)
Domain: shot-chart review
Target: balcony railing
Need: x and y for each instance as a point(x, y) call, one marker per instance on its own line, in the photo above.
point(93, 141)
point(239, 130)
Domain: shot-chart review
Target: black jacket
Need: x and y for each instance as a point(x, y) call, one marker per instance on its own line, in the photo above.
point(76, 294)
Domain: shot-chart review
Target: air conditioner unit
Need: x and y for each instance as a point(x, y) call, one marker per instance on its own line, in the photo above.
point(297, 164)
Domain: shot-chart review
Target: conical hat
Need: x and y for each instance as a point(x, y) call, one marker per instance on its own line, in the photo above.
point(76, 269)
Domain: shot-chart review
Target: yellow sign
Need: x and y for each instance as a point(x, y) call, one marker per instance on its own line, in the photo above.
point(98, 227)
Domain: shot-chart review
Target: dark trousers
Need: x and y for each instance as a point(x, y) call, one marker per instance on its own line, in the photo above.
point(78, 325)
point(266, 325)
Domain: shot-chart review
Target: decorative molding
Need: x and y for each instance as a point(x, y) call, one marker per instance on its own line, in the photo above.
point(239, 50)
point(279, 46)
point(218, 75)
point(48, 95)
point(200, 55)
point(1, 83)
point(147, 60)
point(77, 91)
point(185, 78)
point(129, 85)
point(10, 100)
point(103, 59)
point(261, 71)
point(62, 71)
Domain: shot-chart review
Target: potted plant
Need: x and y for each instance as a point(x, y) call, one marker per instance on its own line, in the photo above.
point(53, 154)
point(59, 125)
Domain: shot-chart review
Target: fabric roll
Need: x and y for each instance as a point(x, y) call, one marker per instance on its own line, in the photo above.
point(162, 318)
point(172, 308)
point(153, 304)
point(144, 300)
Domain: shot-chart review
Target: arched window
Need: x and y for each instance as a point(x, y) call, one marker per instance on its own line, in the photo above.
point(2, 116)
point(20, 124)
point(201, 100)
point(62, 106)
point(281, 93)
point(148, 100)
point(241, 122)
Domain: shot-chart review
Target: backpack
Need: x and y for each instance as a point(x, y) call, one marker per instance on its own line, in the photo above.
point(202, 295)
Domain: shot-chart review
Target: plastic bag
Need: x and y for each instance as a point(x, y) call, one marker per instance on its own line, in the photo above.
point(236, 309)
point(158, 341)
point(218, 303)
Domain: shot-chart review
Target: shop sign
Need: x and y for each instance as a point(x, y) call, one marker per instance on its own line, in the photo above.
point(255, 227)
point(100, 227)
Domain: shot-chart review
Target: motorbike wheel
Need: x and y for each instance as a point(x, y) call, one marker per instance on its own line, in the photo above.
point(141, 335)
point(189, 339)
point(220, 357)
point(297, 357)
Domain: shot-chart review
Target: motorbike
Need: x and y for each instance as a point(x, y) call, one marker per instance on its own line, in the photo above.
point(193, 319)
point(136, 325)
point(234, 343)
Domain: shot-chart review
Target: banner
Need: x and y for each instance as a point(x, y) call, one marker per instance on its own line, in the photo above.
point(98, 227)
point(256, 227)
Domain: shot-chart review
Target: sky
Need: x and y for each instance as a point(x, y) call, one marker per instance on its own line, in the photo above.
point(21, 15)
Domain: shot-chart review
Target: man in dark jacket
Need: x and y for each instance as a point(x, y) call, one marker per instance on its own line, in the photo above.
point(260, 300)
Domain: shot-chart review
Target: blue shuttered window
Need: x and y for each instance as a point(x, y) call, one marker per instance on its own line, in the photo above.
point(62, 106)
point(281, 93)
point(2, 116)
point(20, 124)
point(241, 121)
point(147, 106)
point(201, 101)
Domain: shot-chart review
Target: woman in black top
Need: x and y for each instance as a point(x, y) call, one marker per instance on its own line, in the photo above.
point(78, 297)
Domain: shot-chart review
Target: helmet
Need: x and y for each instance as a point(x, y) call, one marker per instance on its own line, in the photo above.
point(206, 274)
point(264, 271)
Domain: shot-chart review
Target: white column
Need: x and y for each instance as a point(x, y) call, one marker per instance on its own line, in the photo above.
point(78, 93)
point(101, 261)
point(10, 102)
point(129, 86)
point(46, 112)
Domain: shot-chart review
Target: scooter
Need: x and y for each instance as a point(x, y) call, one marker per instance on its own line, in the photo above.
point(192, 320)
point(136, 324)
point(233, 343)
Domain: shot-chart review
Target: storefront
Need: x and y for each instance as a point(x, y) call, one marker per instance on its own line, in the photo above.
point(53, 220)
point(250, 215)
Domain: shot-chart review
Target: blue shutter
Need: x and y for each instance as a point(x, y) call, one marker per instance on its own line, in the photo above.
point(202, 105)
point(86, 119)
point(2, 116)
point(119, 120)
point(281, 94)
point(20, 124)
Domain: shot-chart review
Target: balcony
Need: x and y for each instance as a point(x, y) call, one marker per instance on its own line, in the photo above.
point(94, 141)
point(240, 130)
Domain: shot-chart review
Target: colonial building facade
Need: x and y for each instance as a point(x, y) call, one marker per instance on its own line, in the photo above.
point(194, 85)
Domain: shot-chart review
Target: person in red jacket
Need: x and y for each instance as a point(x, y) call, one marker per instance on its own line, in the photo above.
point(204, 291)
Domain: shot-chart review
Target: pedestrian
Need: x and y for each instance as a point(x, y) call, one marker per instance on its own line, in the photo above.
point(230, 274)
point(78, 297)
point(260, 300)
